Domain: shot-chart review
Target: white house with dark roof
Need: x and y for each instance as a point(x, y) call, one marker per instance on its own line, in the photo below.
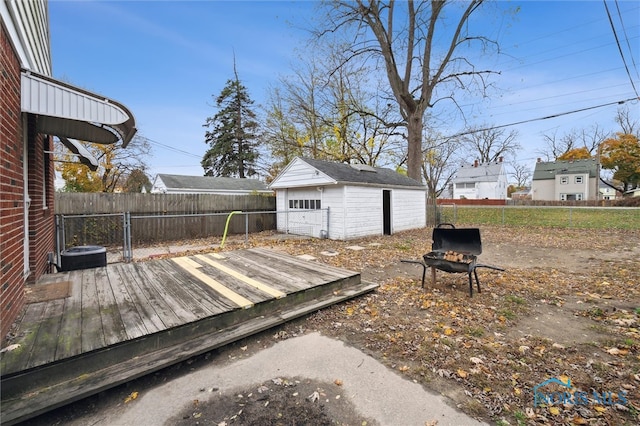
point(481, 181)
point(345, 201)
point(180, 184)
point(559, 180)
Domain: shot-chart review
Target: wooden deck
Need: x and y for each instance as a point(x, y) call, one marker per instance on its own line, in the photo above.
point(86, 331)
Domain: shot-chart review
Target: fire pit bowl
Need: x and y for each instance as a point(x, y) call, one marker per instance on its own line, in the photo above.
point(454, 250)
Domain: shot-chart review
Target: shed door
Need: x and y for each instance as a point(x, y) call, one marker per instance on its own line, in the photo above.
point(305, 212)
point(386, 212)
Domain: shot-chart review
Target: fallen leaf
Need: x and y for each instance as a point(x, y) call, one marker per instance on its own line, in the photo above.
point(577, 420)
point(600, 408)
point(403, 368)
point(554, 411)
point(475, 360)
point(448, 331)
point(462, 373)
point(131, 397)
point(338, 382)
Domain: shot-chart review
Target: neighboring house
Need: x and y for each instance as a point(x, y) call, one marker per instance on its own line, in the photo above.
point(179, 184)
point(574, 180)
point(633, 193)
point(607, 192)
point(34, 108)
point(361, 200)
point(523, 194)
point(481, 181)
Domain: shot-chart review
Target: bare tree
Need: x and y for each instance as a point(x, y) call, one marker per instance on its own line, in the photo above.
point(329, 112)
point(403, 36)
point(521, 173)
point(439, 165)
point(489, 144)
point(589, 139)
point(628, 124)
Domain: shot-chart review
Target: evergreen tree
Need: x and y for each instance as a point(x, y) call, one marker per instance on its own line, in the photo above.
point(232, 134)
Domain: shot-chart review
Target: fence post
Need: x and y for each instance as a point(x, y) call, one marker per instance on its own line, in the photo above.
point(503, 209)
point(570, 218)
point(59, 239)
point(246, 229)
point(126, 237)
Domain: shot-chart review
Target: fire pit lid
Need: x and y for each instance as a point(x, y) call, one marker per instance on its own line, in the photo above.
point(460, 240)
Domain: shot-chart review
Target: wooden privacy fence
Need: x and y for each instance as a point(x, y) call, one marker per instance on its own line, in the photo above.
point(160, 217)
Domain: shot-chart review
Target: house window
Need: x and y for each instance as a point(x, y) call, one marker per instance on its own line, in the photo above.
point(564, 180)
point(578, 179)
point(571, 197)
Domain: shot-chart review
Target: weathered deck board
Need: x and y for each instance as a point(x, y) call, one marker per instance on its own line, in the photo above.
point(148, 315)
point(68, 343)
point(316, 270)
point(233, 283)
point(28, 330)
point(47, 334)
point(92, 334)
point(199, 298)
point(285, 280)
point(173, 294)
point(134, 324)
point(112, 324)
point(145, 307)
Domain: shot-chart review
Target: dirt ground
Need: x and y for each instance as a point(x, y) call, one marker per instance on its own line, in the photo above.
point(566, 307)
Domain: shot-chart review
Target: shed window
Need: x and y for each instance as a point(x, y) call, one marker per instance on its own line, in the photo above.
point(578, 179)
point(304, 204)
point(564, 180)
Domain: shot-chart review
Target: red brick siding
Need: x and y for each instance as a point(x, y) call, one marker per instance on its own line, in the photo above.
point(11, 187)
point(41, 221)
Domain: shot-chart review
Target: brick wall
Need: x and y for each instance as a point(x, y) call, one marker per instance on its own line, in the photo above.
point(11, 187)
point(41, 219)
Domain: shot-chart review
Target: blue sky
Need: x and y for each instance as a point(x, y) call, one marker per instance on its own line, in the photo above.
point(165, 60)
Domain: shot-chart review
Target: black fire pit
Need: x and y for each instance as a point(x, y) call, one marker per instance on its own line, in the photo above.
point(454, 250)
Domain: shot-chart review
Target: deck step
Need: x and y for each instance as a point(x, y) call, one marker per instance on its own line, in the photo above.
point(38, 400)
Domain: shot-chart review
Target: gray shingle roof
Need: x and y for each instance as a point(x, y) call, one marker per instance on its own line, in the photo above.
point(346, 173)
point(549, 170)
point(482, 173)
point(209, 183)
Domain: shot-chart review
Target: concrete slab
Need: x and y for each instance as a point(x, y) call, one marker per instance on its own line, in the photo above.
point(306, 257)
point(355, 248)
point(329, 253)
point(376, 391)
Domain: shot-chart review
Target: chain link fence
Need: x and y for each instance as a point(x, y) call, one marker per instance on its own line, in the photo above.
point(129, 236)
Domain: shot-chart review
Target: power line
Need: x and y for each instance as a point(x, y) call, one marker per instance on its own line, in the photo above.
point(541, 118)
point(615, 34)
point(171, 148)
point(626, 37)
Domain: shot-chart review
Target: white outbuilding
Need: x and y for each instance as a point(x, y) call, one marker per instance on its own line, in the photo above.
point(344, 201)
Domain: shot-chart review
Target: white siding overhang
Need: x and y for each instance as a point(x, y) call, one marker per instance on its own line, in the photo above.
point(70, 112)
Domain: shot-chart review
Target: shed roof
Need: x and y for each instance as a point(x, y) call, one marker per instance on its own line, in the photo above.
point(361, 174)
point(209, 183)
point(485, 172)
point(549, 170)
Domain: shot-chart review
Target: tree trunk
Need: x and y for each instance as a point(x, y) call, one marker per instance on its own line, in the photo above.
point(414, 145)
